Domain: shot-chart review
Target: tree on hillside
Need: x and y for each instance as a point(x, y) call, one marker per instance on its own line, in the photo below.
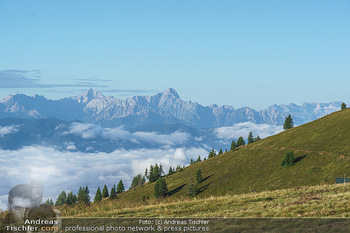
point(83, 195)
point(211, 153)
point(98, 195)
point(171, 170)
point(61, 199)
point(199, 177)
point(120, 187)
point(240, 142)
point(138, 180)
point(199, 159)
point(49, 202)
point(113, 193)
point(250, 138)
point(288, 159)
point(233, 145)
point(343, 106)
point(192, 161)
point(105, 192)
point(288, 123)
point(155, 172)
point(160, 188)
point(220, 151)
point(192, 188)
point(146, 173)
point(71, 198)
point(257, 139)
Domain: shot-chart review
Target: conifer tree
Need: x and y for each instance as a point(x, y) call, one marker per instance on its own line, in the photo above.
point(160, 188)
point(155, 172)
point(71, 198)
point(288, 159)
point(192, 161)
point(192, 188)
point(49, 202)
point(250, 138)
point(61, 199)
point(120, 187)
point(240, 142)
point(146, 173)
point(105, 192)
point(87, 195)
point(83, 195)
point(199, 176)
point(343, 106)
point(233, 145)
point(113, 192)
point(257, 139)
point(220, 151)
point(161, 171)
point(211, 153)
point(288, 123)
point(98, 196)
point(199, 159)
point(170, 170)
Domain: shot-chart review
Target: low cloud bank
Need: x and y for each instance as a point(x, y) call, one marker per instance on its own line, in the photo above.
point(88, 131)
point(8, 130)
point(243, 129)
point(69, 170)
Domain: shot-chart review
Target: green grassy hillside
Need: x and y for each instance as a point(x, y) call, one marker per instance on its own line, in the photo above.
point(322, 150)
point(314, 201)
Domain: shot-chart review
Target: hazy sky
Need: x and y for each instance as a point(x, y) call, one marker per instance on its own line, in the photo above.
point(239, 53)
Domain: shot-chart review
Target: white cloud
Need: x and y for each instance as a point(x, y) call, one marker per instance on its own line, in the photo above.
point(69, 170)
point(243, 129)
point(88, 131)
point(8, 130)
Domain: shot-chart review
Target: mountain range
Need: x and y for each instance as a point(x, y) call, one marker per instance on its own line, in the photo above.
point(162, 108)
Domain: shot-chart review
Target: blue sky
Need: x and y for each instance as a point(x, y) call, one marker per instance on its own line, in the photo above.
point(239, 53)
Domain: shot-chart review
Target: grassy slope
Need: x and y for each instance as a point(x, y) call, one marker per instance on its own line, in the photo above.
point(314, 201)
point(322, 148)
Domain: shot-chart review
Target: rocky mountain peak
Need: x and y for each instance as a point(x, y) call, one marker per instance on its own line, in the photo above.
point(171, 92)
point(89, 95)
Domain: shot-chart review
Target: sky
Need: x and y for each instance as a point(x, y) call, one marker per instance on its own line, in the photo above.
point(239, 53)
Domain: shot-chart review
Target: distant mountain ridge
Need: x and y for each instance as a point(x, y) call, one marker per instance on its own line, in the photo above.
point(162, 108)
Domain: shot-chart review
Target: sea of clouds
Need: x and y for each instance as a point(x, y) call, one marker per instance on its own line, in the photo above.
point(62, 170)
point(89, 131)
point(68, 170)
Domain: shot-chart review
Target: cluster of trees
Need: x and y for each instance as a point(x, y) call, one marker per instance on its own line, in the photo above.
point(138, 180)
point(241, 142)
point(84, 195)
point(112, 194)
point(70, 198)
point(192, 161)
point(212, 153)
point(155, 172)
point(49, 202)
point(193, 189)
point(178, 167)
